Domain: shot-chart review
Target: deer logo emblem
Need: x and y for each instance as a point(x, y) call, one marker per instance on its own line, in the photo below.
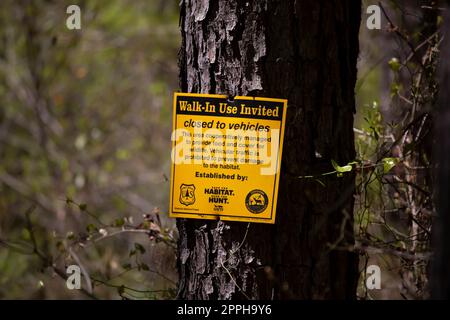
point(256, 201)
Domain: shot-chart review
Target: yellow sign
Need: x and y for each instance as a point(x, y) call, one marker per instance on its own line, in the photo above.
point(226, 157)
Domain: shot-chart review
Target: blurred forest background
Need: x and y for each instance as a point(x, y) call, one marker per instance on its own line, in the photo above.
point(85, 116)
point(85, 123)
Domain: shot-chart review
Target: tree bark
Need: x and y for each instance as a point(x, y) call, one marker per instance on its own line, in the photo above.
point(440, 279)
point(305, 51)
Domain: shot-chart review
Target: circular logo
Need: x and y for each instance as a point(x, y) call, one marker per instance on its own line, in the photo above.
point(256, 201)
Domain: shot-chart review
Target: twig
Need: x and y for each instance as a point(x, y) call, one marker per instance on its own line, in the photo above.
point(234, 281)
point(83, 269)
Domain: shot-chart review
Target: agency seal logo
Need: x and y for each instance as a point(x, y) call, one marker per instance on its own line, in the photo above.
point(256, 201)
point(187, 194)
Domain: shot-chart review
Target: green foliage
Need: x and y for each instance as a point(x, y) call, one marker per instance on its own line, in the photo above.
point(339, 169)
point(139, 248)
point(393, 208)
point(91, 228)
point(394, 64)
point(85, 116)
point(395, 89)
point(389, 163)
point(119, 222)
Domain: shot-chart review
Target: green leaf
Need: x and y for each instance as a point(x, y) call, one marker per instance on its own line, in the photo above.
point(26, 234)
point(126, 266)
point(83, 206)
point(119, 222)
point(91, 228)
point(139, 247)
point(339, 169)
point(389, 163)
point(394, 64)
point(395, 89)
point(376, 134)
point(122, 154)
point(60, 246)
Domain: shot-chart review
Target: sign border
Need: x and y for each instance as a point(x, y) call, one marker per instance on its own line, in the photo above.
point(213, 216)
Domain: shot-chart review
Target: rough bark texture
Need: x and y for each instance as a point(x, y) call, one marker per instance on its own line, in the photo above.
point(440, 278)
point(305, 51)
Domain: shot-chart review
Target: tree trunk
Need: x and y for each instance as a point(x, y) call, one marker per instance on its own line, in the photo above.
point(305, 51)
point(440, 279)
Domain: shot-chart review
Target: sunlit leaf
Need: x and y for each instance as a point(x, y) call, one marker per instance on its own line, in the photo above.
point(394, 64)
point(338, 168)
point(389, 163)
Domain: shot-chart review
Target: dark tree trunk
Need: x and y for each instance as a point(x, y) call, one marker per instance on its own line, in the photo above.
point(440, 278)
point(305, 51)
